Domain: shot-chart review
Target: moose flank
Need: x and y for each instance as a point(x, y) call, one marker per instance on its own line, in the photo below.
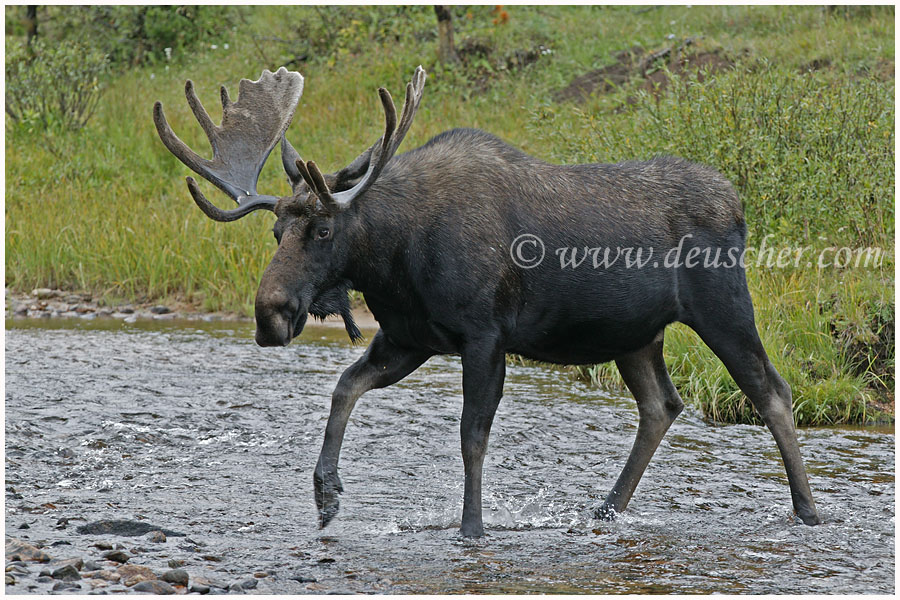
point(426, 237)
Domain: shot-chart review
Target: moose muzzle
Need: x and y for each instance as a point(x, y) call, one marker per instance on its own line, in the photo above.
point(279, 317)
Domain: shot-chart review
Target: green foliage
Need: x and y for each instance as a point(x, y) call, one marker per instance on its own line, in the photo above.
point(133, 34)
point(49, 84)
point(812, 154)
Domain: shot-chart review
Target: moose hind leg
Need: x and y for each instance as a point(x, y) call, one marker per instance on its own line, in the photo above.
point(645, 374)
point(734, 339)
point(383, 364)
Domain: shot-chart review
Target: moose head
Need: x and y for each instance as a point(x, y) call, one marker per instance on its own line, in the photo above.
point(315, 223)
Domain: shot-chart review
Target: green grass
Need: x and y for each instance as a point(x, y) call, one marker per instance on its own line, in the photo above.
point(105, 209)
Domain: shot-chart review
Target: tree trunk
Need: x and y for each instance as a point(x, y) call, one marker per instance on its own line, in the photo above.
point(30, 23)
point(446, 48)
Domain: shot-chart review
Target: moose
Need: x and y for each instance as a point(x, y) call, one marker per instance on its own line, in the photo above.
point(428, 237)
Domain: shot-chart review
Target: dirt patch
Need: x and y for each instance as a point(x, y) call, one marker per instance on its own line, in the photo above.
point(482, 63)
point(637, 64)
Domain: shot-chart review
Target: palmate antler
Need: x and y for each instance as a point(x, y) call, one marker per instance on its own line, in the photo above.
point(250, 129)
point(256, 122)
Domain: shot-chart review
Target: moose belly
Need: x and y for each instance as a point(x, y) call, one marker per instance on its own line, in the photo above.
point(568, 334)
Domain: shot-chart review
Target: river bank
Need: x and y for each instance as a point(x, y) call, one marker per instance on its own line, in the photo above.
point(45, 303)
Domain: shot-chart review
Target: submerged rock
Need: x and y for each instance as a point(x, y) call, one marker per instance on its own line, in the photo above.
point(124, 528)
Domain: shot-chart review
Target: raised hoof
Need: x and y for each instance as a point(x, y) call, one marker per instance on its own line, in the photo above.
point(605, 513)
point(327, 488)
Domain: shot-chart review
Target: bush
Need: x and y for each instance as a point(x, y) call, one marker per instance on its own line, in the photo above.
point(811, 154)
point(56, 83)
point(133, 35)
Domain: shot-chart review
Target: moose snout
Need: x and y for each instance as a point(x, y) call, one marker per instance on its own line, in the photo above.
point(278, 317)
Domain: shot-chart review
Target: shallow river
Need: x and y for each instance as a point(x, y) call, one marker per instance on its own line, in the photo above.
point(194, 428)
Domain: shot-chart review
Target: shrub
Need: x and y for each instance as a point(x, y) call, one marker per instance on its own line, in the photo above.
point(133, 35)
point(811, 154)
point(53, 83)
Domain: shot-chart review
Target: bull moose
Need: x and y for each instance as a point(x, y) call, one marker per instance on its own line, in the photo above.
point(427, 237)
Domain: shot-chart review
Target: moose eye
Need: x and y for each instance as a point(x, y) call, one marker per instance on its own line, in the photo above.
point(323, 233)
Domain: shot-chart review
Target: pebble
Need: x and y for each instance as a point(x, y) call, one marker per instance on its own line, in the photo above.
point(160, 310)
point(66, 585)
point(154, 587)
point(199, 588)
point(102, 545)
point(249, 584)
point(92, 565)
point(10, 580)
point(102, 574)
point(156, 537)
point(132, 574)
point(176, 576)
point(43, 293)
point(75, 562)
point(175, 563)
point(19, 550)
point(117, 556)
point(66, 573)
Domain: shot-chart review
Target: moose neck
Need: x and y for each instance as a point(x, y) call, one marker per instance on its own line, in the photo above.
point(380, 238)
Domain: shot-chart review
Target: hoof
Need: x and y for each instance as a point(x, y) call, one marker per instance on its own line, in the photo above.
point(327, 488)
point(472, 531)
point(809, 517)
point(605, 513)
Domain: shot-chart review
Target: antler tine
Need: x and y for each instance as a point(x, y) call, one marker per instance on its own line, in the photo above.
point(250, 129)
point(320, 187)
point(199, 112)
point(289, 158)
point(217, 214)
point(393, 136)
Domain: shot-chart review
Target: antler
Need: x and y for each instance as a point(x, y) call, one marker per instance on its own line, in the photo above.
point(250, 129)
point(378, 154)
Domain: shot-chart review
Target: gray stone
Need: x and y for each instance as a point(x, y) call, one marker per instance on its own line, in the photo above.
point(43, 293)
point(176, 577)
point(66, 585)
point(160, 310)
point(124, 528)
point(199, 588)
point(66, 573)
point(249, 584)
point(154, 586)
point(117, 556)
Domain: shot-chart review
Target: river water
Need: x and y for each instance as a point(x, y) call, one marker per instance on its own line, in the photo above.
point(194, 428)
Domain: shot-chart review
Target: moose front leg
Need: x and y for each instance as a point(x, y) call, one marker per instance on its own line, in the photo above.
point(383, 364)
point(484, 368)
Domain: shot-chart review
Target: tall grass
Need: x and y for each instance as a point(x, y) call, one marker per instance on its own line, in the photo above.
point(105, 209)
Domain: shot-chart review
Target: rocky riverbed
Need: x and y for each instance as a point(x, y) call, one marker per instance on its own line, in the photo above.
point(44, 303)
point(174, 455)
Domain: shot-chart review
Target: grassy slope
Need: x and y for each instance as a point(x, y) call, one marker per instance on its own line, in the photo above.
point(106, 210)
